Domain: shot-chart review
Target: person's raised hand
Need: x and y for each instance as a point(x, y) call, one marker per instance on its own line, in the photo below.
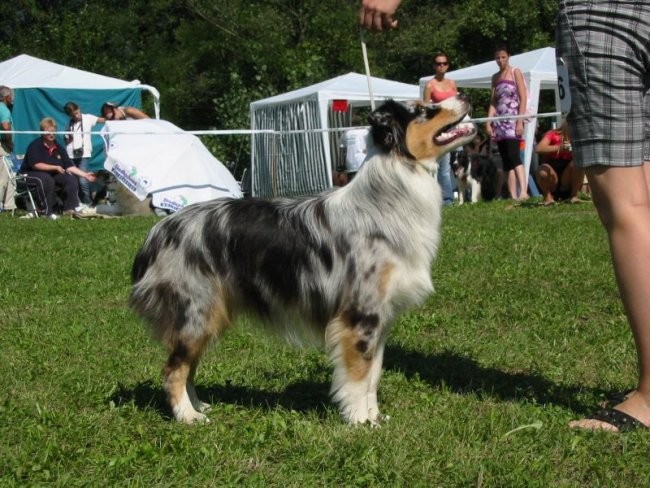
point(377, 15)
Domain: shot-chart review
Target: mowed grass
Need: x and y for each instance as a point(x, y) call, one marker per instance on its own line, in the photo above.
point(524, 333)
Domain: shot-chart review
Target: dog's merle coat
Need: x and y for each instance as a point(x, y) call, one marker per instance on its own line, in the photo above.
point(333, 269)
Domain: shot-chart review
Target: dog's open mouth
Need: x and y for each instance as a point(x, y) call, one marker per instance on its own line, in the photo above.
point(452, 132)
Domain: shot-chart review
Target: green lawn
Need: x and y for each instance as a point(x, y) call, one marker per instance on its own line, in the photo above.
point(524, 333)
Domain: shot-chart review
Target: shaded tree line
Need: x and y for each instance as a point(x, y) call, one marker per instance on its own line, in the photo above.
point(210, 58)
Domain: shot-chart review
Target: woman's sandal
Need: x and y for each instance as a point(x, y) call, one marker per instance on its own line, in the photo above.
point(622, 421)
point(616, 398)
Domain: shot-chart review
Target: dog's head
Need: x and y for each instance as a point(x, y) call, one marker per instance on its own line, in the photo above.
point(418, 130)
point(460, 166)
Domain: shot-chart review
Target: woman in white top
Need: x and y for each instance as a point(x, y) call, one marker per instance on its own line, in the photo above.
point(79, 144)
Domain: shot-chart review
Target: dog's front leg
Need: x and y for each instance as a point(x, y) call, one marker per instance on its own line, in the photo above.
point(357, 368)
point(476, 191)
point(462, 188)
point(374, 416)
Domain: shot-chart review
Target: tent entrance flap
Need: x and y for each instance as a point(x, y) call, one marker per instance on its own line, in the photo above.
point(31, 103)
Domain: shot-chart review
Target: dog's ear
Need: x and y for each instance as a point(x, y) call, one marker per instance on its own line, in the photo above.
point(384, 127)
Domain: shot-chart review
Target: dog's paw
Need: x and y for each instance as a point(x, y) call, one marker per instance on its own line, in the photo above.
point(197, 418)
point(378, 420)
point(203, 407)
point(198, 405)
point(356, 418)
point(191, 417)
point(374, 419)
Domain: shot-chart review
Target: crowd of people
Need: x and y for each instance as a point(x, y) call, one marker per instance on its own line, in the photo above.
point(553, 174)
point(58, 176)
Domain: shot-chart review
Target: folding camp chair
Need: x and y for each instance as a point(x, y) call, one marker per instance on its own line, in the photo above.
point(26, 187)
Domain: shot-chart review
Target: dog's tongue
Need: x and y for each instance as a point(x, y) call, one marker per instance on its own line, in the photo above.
point(451, 135)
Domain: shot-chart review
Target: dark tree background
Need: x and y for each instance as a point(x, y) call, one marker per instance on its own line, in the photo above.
point(210, 58)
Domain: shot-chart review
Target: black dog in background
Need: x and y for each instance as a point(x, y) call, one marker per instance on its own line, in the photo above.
point(478, 174)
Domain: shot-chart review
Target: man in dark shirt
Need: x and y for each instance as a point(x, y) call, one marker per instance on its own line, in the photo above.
point(48, 161)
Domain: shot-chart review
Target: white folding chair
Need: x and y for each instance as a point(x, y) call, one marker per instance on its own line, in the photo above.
point(24, 185)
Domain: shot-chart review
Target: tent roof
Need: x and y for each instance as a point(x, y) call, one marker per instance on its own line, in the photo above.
point(26, 71)
point(539, 63)
point(352, 86)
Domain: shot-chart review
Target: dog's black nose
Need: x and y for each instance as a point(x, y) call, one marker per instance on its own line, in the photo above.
point(462, 97)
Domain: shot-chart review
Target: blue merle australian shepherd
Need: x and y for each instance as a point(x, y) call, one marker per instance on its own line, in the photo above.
point(334, 269)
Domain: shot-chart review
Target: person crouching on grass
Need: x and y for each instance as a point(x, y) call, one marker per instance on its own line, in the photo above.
point(48, 161)
point(558, 177)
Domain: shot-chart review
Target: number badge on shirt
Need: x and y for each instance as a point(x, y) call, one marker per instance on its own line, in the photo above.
point(564, 92)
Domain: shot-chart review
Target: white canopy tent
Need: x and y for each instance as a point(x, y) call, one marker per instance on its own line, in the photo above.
point(295, 158)
point(42, 88)
point(538, 67)
point(26, 71)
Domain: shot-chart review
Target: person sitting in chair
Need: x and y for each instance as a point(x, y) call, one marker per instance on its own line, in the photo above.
point(48, 161)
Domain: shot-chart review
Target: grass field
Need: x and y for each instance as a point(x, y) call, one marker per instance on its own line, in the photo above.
point(524, 333)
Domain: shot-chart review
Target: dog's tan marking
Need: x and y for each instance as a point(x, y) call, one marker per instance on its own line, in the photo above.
point(356, 364)
point(419, 135)
point(176, 372)
point(181, 366)
point(220, 315)
point(175, 380)
point(342, 336)
point(385, 275)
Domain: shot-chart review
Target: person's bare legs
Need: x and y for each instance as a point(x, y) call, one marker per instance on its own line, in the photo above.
point(622, 198)
point(521, 182)
point(577, 177)
point(547, 181)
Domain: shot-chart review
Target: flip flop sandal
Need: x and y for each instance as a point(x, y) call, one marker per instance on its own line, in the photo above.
point(622, 421)
point(616, 398)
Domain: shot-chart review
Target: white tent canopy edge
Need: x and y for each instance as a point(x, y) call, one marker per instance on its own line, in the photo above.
point(26, 71)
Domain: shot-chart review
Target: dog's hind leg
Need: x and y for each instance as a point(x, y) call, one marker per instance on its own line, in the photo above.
point(184, 360)
point(191, 390)
point(179, 371)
